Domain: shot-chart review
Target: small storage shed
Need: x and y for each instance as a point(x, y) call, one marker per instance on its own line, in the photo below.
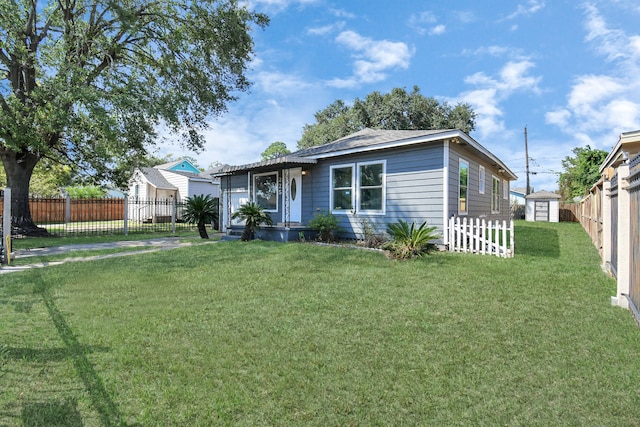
point(542, 206)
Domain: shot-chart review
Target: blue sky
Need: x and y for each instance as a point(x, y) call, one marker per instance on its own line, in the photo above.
point(569, 71)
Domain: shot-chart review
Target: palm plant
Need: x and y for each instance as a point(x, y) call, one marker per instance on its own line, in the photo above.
point(201, 209)
point(253, 215)
point(409, 241)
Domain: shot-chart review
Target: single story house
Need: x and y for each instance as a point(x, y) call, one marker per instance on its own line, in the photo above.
point(373, 176)
point(176, 180)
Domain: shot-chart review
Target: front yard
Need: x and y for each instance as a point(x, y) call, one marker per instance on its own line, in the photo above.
point(264, 333)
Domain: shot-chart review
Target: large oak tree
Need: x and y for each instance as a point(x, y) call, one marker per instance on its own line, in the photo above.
point(87, 82)
point(397, 110)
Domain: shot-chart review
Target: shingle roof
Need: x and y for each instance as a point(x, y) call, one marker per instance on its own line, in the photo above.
point(543, 194)
point(367, 138)
point(156, 179)
point(288, 160)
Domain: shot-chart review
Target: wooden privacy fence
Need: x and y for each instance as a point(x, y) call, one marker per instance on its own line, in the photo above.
point(479, 236)
point(633, 188)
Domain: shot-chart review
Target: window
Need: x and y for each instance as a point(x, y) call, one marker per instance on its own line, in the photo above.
point(342, 188)
point(481, 180)
point(265, 191)
point(463, 174)
point(505, 189)
point(370, 180)
point(495, 195)
point(358, 187)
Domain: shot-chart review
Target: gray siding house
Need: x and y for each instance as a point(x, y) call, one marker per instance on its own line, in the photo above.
point(377, 176)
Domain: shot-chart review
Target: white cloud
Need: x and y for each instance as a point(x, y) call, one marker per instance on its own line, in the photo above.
point(373, 58)
point(326, 29)
point(491, 91)
point(275, 6)
point(341, 13)
point(437, 30)
point(600, 106)
point(530, 8)
point(423, 20)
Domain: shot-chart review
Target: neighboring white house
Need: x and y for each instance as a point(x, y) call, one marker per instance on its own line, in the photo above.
point(159, 186)
point(176, 180)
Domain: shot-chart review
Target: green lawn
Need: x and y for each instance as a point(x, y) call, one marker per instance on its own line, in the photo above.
point(262, 333)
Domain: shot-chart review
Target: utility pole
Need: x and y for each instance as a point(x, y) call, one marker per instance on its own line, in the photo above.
point(526, 153)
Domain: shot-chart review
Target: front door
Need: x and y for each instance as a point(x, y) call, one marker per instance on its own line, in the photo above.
point(294, 195)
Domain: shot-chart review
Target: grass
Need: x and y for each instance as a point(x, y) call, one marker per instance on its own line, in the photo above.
point(261, 333)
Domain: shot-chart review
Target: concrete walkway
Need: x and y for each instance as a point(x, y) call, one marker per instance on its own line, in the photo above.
point(75, 251)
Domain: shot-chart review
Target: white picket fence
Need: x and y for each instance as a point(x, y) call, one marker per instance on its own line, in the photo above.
point(480, 236)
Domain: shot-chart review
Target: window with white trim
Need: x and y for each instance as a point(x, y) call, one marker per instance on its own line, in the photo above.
point(358, 187)
point(505, 189)
point(342, 191)
point(481, 174)
point(495, 195)
point(265, 191)
point(463, 187)
point(371, 187)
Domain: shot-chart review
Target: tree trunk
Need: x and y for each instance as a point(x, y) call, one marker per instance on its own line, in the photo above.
point(19, 168)
point(202, 229)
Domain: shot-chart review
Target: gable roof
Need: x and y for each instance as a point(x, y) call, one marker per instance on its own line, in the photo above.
point(170, 165)
point(369, 140)
point(155, 178)
point(543, 194)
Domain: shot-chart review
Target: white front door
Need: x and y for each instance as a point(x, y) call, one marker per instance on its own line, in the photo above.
point(294, 194)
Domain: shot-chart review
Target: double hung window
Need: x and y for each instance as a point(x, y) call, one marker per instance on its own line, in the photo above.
point(358, 187)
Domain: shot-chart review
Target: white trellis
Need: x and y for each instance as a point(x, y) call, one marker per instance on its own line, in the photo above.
point(476, 235)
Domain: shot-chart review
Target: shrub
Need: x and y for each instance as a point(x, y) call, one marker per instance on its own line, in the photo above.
point(253, 215)
point(409, 241)
point(371, 239)
point(326, 225)
point(201, 209)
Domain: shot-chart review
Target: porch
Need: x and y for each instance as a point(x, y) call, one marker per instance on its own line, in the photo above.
point(277, 233)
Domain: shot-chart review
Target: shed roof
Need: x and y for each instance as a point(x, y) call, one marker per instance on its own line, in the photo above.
point(543, 194)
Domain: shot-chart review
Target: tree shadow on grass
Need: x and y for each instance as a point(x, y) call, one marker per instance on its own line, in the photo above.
point(51, 413)
point(100, 398)
point(536, 240)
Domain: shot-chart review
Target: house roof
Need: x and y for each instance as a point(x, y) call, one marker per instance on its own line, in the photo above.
point(370, 140)
point(543, 194)
point(367, 138)
point(155, 178)
point(629, 143)
point(519, 190)
point(192, 176)
point(288, 160)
